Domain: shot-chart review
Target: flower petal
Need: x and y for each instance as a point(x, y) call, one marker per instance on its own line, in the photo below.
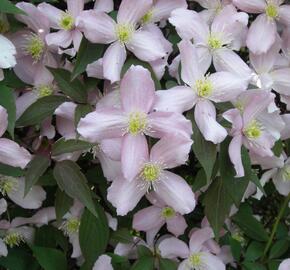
point(235, 155)
point(3, 120)
point(172, 248)
point(103, 263)
point(104, 5)
point(281, 80)
point(52, 13)
point(163, 8)
point(176, 225)
point(7, 52)
point(62, 38)
point(199, 237)
point(284, 15)
point(3, 249)
point(285, 265)
point(75, 7)
point(251, 6)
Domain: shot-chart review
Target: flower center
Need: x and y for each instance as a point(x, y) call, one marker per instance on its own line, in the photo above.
point(151, 172)
point(44, 90)
point(168, 212)
point(195, 261)
point(137, 123)
point(124, 32)
point(272, 11)
point(147, 17)
point(71, 226)
point(13, 239)
point(67, 21)
point(35, 47)
point(7, 184)
point(253, 130)
point(204, 87)
point(286, 174)
point(214, 42)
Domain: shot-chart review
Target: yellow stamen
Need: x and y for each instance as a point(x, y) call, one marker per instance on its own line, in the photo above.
point(204, 87)
point(67, 22)
point(168, 212)
point(35, 47)
point(272, 11)
point(253, 130)
point(137, 123)
point(150, 172)
point(124, 32)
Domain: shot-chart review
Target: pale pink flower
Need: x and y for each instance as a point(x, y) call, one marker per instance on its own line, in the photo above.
point(104, 5)
point(152, 174)
point(10, 152)
point(285, 265)
point(264, 27)
point(98, 27)
point(7, 55)
point(66, 23)
point(155, 216)
point(201, 91)
point(133, 121)
point(103, 263)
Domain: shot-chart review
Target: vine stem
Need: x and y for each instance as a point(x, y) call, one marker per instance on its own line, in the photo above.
point(280, 215)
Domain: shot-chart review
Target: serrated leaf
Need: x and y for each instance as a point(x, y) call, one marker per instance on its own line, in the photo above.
point(93, 235)
point(39, 110)
point(63, 146)
point(74, 89)
point(50, 258)
point(218, 197)
point(62, 204)
point(7, 7)
point(87, 54)
point(7, 101)
point(36, 168)
point(71, 180)
point(145, 263)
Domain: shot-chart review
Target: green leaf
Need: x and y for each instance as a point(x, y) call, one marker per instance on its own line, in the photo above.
point(236, 248)
point(199, 180)
point(205, 151)
point(166, 264)
point(74, 89)
point(254, 251)
point(39, 110)
point(253, 266)
point(62, 204)
point(93, 235)
point(87, 54)
point(7, 7)
point(7, 101)
point(122, 235)
point(145, 263)
point(278, 148)
point(218, 197)
point(249, 225)
point(71, 180)
point(36, 168)
point(236, 187)
point(63, 146)
point(81, 111)
point(144, 251)
point(136, 62)
point(50, 258)
point(11, 171)
point(279, 248)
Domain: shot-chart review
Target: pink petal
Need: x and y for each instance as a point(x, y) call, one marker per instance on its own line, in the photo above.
point(176, 225)
point(12, 154)
point(24, 101)
point(190, 71)
point(177, 99)
point(104, 5)
point(251, 6)
point(261, 29)
point(75, 7)
point(95, 69)
point(235, 155)
point(281, 80)
point(199, 237)
point(282, 186)
point(52, 13)
point(146, 46)
point(284, 15)
point(147, 219)
point(137, 90)
point(130, 13)
point(125, 195)
point(97, 26)
point(113, 61)
point(112, 148)
point(209, 4)
point(172, 248)
point(103, 124)
point(205, 118)
point(77, 38)
point(163, 8)
point(8, 52)
point(163, 152)
point(62, 38)
point(285, 265)
point(103, 263)
point(213, 262)
point(3, 120)
point(3, 249)
point(134, 155)
point(176, 193)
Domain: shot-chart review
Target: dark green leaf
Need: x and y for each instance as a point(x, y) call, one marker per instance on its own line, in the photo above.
point(39, 110)
point(7, 7)
point(218, 197)
point(62, 204)
point(253, 266)
point(199, 180)
point(11, 171)
point(7, 100)
point(145, 263)
point(278, 148)
point(63, 146)
point(166, 264)
point(144, 251)
point(81, 111)
point(93, 235)
point(74, 89)
point(36, 168)
point(70, 179)
point(50, 258)
point(87, 54)
point(122, 235)
point(254, 251)
point(279, 248)
point(236, 248)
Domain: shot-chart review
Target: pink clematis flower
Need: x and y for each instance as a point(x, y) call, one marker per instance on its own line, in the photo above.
point(7, 55)
point(217, 42)
point(65, 22)
point(285, 265)
point(152, 175)
point(264, 28)
point(253, 126)
point(10, 152)
point(103, 263)
point(133, 120)
point(200, 92)
point(196, 255)
point(104, 5)
point(98, 27)
point(155, 216)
